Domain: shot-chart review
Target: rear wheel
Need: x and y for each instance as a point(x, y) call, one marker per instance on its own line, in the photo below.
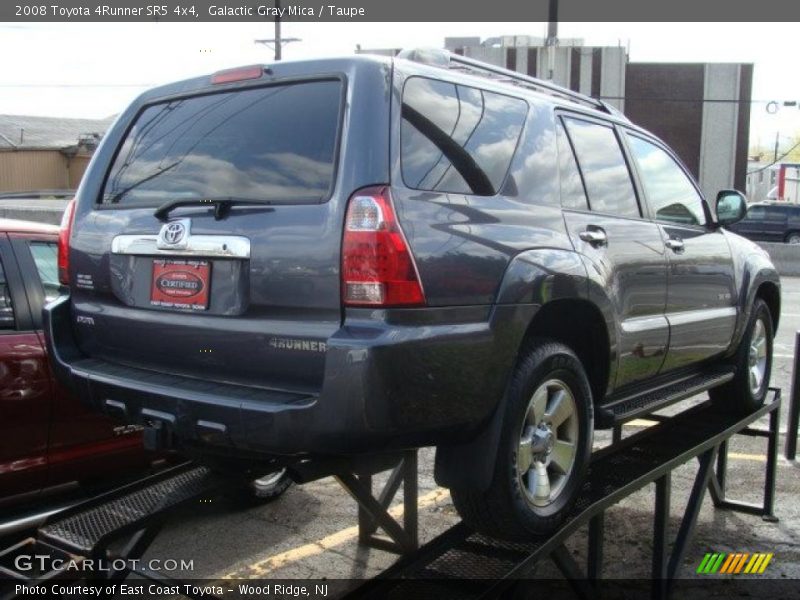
point(793, 237)
point(753, 361)
point(544, 448)
point(271, 486)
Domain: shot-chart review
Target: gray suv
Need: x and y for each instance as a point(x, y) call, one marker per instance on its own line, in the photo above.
point(350, 256)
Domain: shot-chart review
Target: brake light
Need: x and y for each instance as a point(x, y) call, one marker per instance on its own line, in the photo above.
point(237, 74)
point(63, 242)
point(377, 266)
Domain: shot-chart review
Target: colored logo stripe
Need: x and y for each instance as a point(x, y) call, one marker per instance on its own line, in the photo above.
point(736, 563)
point(711, 562)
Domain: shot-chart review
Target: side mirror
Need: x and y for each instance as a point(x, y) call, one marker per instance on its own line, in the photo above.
point(731, 207)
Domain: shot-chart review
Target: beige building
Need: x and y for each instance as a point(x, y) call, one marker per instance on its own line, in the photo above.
point(46, 153)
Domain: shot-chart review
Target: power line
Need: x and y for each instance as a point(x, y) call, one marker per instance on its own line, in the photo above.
point(776, 161)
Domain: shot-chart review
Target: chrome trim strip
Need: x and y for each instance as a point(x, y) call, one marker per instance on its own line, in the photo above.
point(700, 315)
point(643, 324)
point(222, 246)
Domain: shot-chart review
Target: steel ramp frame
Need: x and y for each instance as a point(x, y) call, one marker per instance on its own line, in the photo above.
point(616, 472)
point(438, 562)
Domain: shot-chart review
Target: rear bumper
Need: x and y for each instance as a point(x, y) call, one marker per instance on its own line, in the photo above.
point(415, 382)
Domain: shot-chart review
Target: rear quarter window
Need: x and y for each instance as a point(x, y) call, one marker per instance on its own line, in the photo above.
point(456, 138)
point(273, 144)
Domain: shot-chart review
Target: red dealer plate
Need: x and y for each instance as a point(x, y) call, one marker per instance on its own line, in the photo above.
point(180, 284)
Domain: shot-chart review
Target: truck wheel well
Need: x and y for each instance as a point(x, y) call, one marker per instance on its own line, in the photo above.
point(769, 293)
point(579, 325)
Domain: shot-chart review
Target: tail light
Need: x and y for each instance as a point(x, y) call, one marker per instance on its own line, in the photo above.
point(377, 266)
point(63, 242)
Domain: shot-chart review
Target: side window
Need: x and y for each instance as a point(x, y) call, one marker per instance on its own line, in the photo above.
point(6, 309)
point(456, 138)
point(669, 191)
point(45, 255)
point(756, 213)
point(605, 173)
point(572, 193)
point(775, 214)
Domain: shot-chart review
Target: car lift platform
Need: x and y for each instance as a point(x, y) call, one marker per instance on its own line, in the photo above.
point(458, 563)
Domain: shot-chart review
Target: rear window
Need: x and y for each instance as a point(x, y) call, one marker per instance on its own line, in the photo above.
point(273, 144)
point(456, 138)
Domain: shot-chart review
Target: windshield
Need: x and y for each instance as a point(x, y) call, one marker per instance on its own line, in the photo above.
point(273, 144)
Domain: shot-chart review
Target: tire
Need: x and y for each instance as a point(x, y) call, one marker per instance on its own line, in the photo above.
point(793, 237)
point(271, 486)
point(747, 391)
point(517, 504)
point(248, 493)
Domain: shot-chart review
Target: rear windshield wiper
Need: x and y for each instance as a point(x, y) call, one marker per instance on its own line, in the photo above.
point(221, 205)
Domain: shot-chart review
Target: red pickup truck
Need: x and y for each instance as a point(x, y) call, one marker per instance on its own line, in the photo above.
point(47, 437)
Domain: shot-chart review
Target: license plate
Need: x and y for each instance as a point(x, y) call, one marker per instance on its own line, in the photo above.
point(182, 284)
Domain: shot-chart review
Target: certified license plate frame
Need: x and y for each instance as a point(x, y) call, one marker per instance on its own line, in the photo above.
point(182, 284)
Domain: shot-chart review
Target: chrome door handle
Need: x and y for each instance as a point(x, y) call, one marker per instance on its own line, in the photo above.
point(595, 237)
point(675, 244)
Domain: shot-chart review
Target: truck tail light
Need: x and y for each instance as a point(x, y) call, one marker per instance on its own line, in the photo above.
point(377, 266)
point(63, 242)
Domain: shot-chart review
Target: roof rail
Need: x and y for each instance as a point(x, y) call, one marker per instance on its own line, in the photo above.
point(450, 60)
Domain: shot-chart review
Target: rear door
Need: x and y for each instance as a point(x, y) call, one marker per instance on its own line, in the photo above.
point(246, 293)
point(701, 294)
point(25, 406)
point(775, 223)
point(624, 249)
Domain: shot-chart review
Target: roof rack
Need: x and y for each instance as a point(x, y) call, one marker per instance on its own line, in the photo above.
point(450, 60)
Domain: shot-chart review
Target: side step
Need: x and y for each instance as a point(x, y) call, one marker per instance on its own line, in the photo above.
point(82, 528)
point(650, 401)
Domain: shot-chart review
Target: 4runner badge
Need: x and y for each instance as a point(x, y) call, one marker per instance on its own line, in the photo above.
point(175, 234)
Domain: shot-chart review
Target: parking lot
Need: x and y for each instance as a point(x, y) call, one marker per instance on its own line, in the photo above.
point(311, 531)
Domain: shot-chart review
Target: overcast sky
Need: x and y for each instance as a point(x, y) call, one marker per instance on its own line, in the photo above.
point(95, 69)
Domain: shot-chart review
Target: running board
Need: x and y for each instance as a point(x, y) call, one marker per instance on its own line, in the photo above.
point(83, 527)
point(650, 401)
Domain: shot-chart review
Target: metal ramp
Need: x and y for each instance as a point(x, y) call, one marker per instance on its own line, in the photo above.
point(463, 564)
point(459, 563)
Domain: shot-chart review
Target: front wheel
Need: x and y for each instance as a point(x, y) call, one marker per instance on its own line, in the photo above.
point(747, 391)
point(544, 449)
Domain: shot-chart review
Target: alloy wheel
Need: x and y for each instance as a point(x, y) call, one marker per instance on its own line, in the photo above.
point(548, 443)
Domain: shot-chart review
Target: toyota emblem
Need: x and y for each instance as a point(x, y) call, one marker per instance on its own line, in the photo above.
point(173, 233)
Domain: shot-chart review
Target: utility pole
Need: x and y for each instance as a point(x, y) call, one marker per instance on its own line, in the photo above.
point(777, 138)
point(552, 37)
point(277, 42)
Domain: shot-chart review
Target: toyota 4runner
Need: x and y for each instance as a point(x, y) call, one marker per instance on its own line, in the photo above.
point(349, 256)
